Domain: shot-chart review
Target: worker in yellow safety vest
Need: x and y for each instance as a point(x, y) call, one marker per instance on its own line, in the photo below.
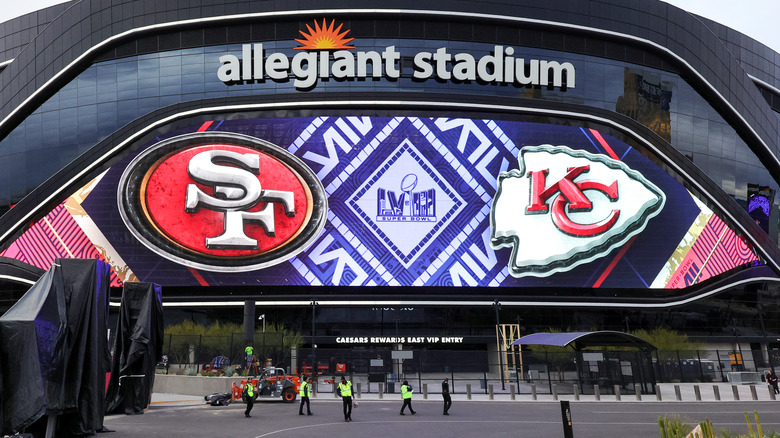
point(249, 394)
point(249, 351)
point(406, 394)
point(345, 391)
point(304, 392)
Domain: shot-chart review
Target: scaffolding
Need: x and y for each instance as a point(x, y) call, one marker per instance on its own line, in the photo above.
point(509, 356)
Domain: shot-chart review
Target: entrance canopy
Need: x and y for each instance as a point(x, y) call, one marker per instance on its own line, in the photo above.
point(581, 340)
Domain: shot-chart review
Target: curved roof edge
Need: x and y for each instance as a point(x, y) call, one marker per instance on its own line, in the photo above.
point(581, 340)
point(19, 272)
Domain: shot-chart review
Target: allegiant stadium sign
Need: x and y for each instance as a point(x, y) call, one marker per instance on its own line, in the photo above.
point(325, 54)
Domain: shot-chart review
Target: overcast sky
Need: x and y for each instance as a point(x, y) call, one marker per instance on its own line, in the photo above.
point(756, 18)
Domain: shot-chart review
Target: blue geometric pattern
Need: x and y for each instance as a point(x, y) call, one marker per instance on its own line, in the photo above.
point(437, 153)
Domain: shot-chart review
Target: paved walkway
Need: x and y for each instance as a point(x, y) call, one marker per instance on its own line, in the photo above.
point(494, 419)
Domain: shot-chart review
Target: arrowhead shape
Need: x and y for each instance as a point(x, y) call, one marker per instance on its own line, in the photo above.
point(564, 207)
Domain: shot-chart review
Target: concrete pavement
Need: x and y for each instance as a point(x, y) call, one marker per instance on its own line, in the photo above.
point(182, 416)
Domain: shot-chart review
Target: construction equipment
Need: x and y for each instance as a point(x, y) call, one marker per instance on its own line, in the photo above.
point(272, 383)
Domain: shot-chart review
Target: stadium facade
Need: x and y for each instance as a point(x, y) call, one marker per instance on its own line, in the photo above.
point(417, 171)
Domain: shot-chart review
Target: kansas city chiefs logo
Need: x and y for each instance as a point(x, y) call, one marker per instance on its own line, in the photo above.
point(566, 207)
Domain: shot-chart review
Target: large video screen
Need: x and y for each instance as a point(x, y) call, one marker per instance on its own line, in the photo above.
point(390, 201)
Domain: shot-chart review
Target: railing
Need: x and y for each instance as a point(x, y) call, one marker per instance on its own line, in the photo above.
point(542, 372)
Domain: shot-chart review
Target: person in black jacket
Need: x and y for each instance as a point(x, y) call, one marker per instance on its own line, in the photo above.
point(445, 392)
point(771, 378)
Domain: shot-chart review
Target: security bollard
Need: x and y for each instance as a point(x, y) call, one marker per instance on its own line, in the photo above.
point(658, 392)
point(617, 392)
point(638, 392)
point(753, 393)
point(568, 432)
point(677, 393)
point(425, 391)
point(381, 390)
point(697, 392)
point(468, 391)
point(576, 390)
point(597, 392)
point(335, 391)
point(555, 391)
point(533, 391)
point(490, 391)
point(512, 390)
point(735, 391)
point(716, 391)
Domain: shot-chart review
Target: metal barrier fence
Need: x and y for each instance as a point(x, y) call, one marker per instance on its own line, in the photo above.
point(527, 372)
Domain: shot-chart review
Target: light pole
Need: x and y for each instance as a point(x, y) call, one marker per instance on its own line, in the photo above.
point(760, 310)
point(313, 345)
point(262, 317)
point(501, 344)
point(739, 347)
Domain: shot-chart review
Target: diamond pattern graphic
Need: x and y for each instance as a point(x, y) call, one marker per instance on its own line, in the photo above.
point(411, 206)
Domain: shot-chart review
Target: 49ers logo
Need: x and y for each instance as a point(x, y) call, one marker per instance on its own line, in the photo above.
point(222, 201)
point(567, 207)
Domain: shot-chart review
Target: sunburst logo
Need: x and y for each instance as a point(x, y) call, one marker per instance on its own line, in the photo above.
point(325, 37)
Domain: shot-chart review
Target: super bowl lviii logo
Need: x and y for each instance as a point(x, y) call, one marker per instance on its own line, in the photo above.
point(408, 205)
point(566, 207)
point(221, 202)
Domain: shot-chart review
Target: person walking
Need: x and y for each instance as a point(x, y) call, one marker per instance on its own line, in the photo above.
point(345, 392)
point(249, 394)
point(445, 392)
point(771, 377)
point(406, 394)
point(304, 392)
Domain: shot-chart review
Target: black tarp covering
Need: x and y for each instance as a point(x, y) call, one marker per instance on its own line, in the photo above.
point(54, 352)
point(137, 349)
point(88, 358)
point(32, 336)
point(1, 401)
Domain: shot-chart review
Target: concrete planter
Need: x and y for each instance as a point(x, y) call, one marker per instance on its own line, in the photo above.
point(192, 385)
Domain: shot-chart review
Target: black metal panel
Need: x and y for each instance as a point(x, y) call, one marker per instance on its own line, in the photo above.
point(17, 33)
